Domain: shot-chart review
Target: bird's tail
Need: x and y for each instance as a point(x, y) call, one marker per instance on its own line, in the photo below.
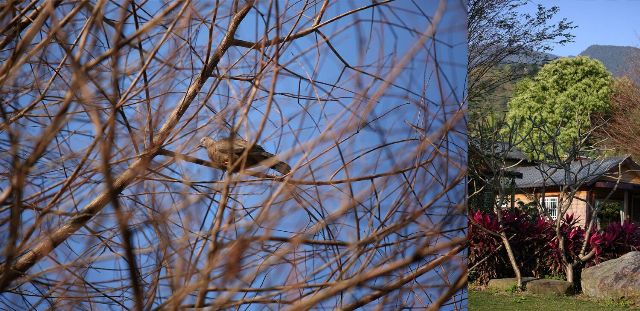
point(271, 161)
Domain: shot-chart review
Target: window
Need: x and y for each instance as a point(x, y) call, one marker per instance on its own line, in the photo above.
point(609, 211)
point(505, 203)
point(551, 206)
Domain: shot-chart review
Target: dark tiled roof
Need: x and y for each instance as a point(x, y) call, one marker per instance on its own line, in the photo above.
point(515, 154)
point(502, 149)
point(581, 172)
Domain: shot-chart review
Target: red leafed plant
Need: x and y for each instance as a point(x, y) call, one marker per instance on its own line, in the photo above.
point(528, 235)
point(573, 239)
point(535, 245)
point(619, 239)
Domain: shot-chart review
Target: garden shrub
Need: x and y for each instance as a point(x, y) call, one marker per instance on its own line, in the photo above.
point(535, 245)
point(528, 235)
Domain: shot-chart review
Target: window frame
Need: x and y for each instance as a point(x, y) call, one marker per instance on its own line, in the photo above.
point(546, 205)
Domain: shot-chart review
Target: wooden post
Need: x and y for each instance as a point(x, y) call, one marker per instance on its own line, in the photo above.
point(589, 198)
point(513, 192)
point(624, 213)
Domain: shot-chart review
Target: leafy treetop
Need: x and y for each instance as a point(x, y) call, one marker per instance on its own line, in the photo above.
point(553, 109)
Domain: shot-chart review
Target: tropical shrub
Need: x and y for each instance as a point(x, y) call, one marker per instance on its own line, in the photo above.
point(535, 245)
point(528, 235)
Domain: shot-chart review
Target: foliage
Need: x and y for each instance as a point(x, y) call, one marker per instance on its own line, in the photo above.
point(528, 238)
point(498, 84)
point(535, 244)
point(500, 33)
point(622, 128)
point(573, 236)
point(554, 108)
point(617, 240)
point(609, 212)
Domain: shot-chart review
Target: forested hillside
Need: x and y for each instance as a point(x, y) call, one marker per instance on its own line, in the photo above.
point(617, 59)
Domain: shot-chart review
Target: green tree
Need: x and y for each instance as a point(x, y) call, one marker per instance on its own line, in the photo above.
point(507, 42)
point(554, 108)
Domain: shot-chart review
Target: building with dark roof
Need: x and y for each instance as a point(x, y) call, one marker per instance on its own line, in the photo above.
point(614, 180)
point(489, 162)
point(506, 152)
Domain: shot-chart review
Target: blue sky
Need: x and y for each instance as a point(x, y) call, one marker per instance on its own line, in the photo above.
point(317, 94)
point(605, 22)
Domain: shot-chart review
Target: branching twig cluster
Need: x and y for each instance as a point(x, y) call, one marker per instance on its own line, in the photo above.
point(107, 202)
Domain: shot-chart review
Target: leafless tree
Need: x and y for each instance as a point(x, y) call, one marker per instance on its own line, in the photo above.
point(492, 163)
point(106, 200)
point(503, 39)
point(566, 172)
point(621, 128)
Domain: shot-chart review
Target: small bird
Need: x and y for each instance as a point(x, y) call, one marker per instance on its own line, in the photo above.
point(227, 151)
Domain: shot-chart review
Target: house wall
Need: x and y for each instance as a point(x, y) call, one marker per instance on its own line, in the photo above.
point(578, 206)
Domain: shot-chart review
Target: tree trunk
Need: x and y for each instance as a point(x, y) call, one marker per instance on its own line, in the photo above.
point(574, 274)
point(569, 271)
point(512, 259)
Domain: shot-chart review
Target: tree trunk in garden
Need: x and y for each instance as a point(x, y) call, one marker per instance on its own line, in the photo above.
point(512, 259)
point(568, 268)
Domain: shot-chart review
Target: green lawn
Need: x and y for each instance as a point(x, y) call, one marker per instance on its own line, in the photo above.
point(487, 300)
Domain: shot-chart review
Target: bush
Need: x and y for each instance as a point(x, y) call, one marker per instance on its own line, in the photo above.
point(619, 239)
point(529, 234)
point(573, 237)
point(535, 245)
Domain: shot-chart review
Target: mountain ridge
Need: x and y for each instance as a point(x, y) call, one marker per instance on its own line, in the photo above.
point(618, 59)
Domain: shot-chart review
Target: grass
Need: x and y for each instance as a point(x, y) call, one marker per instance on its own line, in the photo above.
point(487, 300)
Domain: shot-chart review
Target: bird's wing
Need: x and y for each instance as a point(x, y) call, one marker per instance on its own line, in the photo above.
point(238, 146)
point(231, 146)
point(257, 149)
